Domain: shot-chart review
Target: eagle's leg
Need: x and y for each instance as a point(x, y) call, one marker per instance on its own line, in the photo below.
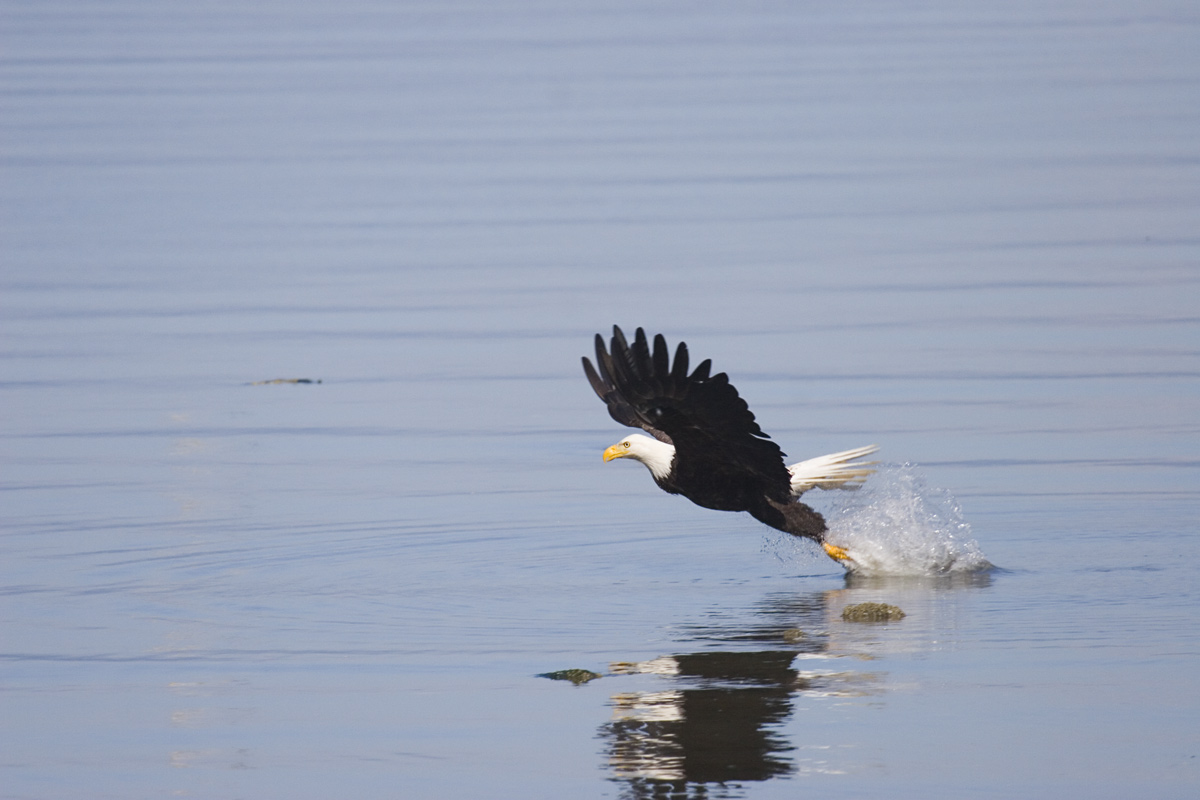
point(794, 517)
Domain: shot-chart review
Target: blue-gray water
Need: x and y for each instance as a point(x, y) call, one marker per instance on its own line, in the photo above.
point(968, 232)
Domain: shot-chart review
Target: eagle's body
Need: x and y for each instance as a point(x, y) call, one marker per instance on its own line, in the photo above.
point(706, 444)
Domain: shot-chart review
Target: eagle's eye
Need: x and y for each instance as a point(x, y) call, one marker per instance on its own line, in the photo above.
point(625, 445)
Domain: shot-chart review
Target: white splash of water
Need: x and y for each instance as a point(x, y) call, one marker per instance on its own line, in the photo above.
point(898, 525)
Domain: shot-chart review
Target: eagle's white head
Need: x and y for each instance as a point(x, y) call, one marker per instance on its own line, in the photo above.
point(654, 454)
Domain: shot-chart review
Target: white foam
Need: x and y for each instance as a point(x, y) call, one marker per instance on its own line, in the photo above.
point(897, 525)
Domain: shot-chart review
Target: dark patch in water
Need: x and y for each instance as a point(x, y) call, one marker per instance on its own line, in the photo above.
point(575, 676)
point(872, 612)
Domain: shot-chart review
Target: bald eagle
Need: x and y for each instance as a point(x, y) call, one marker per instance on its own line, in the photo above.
point(704, 443)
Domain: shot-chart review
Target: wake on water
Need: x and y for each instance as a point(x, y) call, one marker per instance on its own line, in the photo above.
point(897, 525)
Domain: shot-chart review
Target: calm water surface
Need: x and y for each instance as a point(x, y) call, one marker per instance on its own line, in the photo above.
point(967, 233)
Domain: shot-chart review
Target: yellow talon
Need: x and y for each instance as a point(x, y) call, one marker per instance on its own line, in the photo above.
point(835, 552)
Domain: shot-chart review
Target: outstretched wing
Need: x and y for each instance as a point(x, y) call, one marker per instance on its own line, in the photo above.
point(701, 414)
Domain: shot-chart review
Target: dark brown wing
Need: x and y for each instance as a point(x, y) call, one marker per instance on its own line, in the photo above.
point(702, 415)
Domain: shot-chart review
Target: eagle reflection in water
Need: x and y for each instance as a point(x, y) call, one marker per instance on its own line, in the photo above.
point(717, 722)
point(722, 729)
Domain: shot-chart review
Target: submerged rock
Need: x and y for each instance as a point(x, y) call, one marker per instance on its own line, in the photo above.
point(575, 676)
point(872, 612)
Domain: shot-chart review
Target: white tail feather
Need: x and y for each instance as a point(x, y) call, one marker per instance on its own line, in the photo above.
point(834, 471)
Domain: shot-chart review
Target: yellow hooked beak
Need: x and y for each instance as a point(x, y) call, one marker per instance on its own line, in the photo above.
point(616, 451)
